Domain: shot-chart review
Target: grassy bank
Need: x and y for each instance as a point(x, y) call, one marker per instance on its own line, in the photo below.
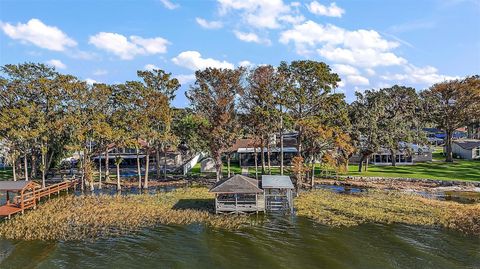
point(6, 173)
point(387, 207)
point(458, 170)
point(89, 217)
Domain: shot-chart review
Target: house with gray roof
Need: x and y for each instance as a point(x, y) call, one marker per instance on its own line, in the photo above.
point(468, 149)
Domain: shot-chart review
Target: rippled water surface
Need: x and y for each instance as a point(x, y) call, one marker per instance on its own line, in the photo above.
point(276, 242)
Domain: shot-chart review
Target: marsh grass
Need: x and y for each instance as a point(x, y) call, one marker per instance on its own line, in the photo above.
point(90, 217)
point(387, 207)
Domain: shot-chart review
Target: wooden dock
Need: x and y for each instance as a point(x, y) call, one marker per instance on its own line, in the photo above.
point(28, 194)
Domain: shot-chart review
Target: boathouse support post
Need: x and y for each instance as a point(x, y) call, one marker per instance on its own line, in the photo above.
point(236, 203)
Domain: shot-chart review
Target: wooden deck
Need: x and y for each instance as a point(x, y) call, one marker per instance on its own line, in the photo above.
point(29, 199)
point(9, 210)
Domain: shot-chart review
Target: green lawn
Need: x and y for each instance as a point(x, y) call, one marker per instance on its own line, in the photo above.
point(6, 173)
point(459, 170)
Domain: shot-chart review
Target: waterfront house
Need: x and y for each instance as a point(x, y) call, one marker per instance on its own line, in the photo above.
point(408, 154)
point(245, 149)
point(468, 149)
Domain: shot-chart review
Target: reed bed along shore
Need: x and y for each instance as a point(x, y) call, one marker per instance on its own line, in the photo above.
point(91, 217)
point(387, 207)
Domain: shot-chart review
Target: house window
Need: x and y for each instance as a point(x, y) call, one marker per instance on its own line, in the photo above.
point(476, 152)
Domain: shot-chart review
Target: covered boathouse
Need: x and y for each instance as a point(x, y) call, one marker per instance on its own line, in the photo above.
point(238, 194)
point(278, 192)
point(241, 194)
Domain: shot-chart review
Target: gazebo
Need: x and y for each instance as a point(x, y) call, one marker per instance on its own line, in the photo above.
point(23, 198)
point(278, 192)
point(238, 194)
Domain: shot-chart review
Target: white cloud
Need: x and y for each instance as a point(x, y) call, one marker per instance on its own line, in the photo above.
point(292, 19)
point(209, 24)
point(39, 34)
point(90, 81)
point(257, 13)
point(295, 4)
point(151, 45)
point(365, 48)
point(246, 63)
point(370, 71)
point(127, 49)
point(251, 37)
point(100, 72)
point(357, 80)
point(185, 79)
point(150, 67)
point(56, 63)
point(193, 60)
point(344, 69)
point(331, 11)
point(421, 75)
point(168, 4)
point(360, 57)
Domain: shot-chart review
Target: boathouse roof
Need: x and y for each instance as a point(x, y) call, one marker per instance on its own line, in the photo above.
point(276, 182)
point(237, 184)
point(16, 185)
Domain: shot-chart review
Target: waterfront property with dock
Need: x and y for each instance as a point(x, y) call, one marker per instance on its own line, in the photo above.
point(27, 194)
point(242, 194)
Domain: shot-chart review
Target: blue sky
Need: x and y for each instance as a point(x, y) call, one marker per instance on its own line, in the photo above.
point(370, 43)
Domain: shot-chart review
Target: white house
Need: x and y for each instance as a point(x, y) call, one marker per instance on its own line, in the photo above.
point(468, 149)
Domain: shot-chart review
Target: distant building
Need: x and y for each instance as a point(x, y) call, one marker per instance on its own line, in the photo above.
point(410, 154)
point(437, 136)
point(244, 150)
point(468, 149)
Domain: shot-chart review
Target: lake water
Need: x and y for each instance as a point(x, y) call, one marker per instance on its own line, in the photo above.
point(276, 242)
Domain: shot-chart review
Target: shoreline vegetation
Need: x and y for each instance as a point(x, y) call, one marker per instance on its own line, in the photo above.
point(89, 217)
point(98, 216)
point(387, 207)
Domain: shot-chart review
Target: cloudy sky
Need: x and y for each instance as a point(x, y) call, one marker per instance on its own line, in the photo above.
point(369, 43)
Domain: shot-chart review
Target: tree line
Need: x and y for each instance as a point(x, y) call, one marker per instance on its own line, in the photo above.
point(46, 116)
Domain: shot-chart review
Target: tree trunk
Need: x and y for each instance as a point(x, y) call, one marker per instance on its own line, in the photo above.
point(33, 170)
point(14, 171)
point(100, 172)
point(360, 163)
point(82, 177)
point(228, 164)
point(448, 146)
point(281, 142)
point(366, 163)
point(107, 165)
point(394, 157)
point(25, 164)
point(147, 164)
point(119, 186)
point(256, 161)
point(313, 173)
point(165, 163)
point(157, 163)
point(43, 169)
point(139, 171)
point(218, 166)
point(262, 151)
point(268, 158)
